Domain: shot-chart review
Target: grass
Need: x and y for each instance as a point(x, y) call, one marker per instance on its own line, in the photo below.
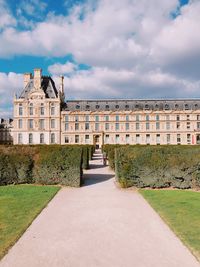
point(19, 205)
point(180, 209)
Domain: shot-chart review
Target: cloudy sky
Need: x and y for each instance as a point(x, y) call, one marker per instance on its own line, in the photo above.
point(104, 48)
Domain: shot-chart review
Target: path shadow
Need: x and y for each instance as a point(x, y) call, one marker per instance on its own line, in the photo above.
point(88, 179)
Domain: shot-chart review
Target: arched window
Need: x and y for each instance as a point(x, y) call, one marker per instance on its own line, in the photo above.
point(30, 138)
point(52, 138)
point(77, 106)
point(166, 107)
point(97, 106)
point(126, 106)
point(41, 138)
point(107, 107)
point(116, 106)
point(146, 107)
point(186, 107)
point(176, 106)
point(156, 106)
point(87, 107)
point(137, 106)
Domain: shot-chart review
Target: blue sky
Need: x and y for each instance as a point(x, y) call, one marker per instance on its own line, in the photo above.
point(105, 49)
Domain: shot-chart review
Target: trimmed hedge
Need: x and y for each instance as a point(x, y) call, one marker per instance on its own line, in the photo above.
point(43, 164)
point(157, 166)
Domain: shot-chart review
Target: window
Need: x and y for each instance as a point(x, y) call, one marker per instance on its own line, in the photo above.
point(106, 126)
point(147, 126)
point(127, 126)
point(87, 126)
point(20, 110)
point(158, 139)
point(107, 138)
point(127, 138)
point(20, 138)
point(178, 125)
point(96, 126)
point(66, 126)
point(41, 110)
point(176, 106)
point(52, 123)
point(137, 126)
point(66, 139)
point(87, 118)
point(147, 117)
point(117, 106)
point(168, 139)
point(178, 139)
point(52, 110)
point(30, 123)
point(117, 138)
point(87, 138)
point(188, 125)
point(157, 125)
point(76, 139)
point(147, 139)
point(166, 107)
point(167, 125)
point(117, 117)
point(76, 126)
point(20, 123)
point(198, 117)
point(107, 107)
point(97, 107)
point(127, 117)
point(157, 117)
point(76, 118)
point(87, 107)
point(106, 118)
point(137, 117)
point(97, 118)
point(30, 138)
point(188, 117)
point(41, 138)
point(77, 106)
point(167, 117)
point(186, 107)
point(146, 107)
point(31, 109)
point(41, 124)
point(52, 138)
point(178, 117)
point(198, 125)
point(126, 107)
point(188, 139)
point(117, 126)
point(137, 138)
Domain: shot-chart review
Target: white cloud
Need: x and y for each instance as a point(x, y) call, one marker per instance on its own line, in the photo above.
point(6, 18)
point(61, 69)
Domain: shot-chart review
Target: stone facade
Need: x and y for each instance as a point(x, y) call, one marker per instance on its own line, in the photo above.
point(42, 116)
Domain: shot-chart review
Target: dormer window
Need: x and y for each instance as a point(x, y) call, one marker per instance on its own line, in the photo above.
point(166, 107)
point(176, 106)
point(146, 107)
point(126, 106)
point(186, 107)
point(97, 106)
point(107, 107)
point(137, 106)
point(196, 106)
point(156, 107)
point(117, 106)
point(77, 106)
point(87, 107)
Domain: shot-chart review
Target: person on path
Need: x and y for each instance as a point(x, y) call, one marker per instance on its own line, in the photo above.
point(104, 158)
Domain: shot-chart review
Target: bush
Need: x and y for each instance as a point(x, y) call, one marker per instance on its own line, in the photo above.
point(157, 166)
point(42, 164)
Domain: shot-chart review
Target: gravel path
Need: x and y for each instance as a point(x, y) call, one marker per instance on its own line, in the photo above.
point(98, 225)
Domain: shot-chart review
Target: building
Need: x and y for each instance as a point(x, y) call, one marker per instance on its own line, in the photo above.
point(6, 131)
point(42, 116)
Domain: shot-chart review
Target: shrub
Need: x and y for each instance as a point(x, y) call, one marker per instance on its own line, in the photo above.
point(158, 166)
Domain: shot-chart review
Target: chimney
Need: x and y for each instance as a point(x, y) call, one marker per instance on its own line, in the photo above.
point(62, 84)
point(37, 78)
point(27, 77)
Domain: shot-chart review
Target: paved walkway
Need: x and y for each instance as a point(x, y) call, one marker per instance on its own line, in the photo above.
point(98, 225)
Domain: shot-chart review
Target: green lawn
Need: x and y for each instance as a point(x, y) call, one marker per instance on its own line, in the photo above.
point(19, 205)
point(180, 209)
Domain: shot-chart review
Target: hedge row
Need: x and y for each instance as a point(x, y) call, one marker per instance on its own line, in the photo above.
point(43, 164)
point(156, 166)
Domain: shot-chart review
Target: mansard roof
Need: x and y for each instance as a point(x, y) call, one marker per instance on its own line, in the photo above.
point(132, 104)
point(47, 85)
